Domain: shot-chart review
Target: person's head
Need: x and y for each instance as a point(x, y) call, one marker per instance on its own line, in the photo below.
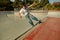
point(24, 6)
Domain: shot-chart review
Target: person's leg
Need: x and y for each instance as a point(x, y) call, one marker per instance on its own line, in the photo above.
point(30, 21)
point(34, 18)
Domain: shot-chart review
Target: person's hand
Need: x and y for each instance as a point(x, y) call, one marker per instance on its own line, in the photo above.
point(20, 16)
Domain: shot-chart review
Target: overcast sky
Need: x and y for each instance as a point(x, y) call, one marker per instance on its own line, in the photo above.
point(51, 1)
point(12, 0)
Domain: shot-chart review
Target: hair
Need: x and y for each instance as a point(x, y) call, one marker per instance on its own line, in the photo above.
point(23, 5)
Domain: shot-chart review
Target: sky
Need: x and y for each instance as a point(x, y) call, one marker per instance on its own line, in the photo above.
point(12, 0)
point(51, 1)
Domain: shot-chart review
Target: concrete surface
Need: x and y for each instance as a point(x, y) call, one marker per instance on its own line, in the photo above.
point(11, 25)
point(53, 14)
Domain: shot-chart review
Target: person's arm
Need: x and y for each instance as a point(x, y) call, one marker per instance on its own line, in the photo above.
point(20, 15)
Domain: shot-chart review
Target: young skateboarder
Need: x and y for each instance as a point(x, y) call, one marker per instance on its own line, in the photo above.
point(25, 12)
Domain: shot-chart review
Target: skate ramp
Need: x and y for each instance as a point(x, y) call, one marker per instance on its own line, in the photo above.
point(12, 26)
point(54, 14)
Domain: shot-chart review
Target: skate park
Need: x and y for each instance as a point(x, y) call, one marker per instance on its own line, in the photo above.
point(11, 26)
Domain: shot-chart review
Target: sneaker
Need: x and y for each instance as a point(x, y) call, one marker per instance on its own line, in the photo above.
point(40, 22)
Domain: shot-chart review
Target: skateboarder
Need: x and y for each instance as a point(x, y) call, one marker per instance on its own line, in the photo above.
point(25, 12)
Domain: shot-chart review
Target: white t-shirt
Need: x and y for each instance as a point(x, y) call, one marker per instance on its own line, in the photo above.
point(23, 12)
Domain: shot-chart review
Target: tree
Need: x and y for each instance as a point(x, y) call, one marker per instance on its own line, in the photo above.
point(37, 4)
point(4, 2)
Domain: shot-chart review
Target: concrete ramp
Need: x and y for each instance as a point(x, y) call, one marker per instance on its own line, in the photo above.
point(12, 26)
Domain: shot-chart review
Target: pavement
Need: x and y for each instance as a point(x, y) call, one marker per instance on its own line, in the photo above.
point(48, 30)
point(11, 25)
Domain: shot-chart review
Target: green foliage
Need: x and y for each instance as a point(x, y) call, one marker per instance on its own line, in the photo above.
point(51, 7)
point(39, 5)
point(35, 4)
point(4, 2)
